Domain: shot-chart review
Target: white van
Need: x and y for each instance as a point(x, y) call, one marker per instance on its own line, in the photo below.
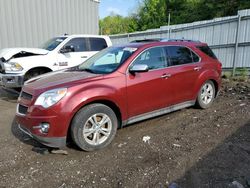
point(20, 64)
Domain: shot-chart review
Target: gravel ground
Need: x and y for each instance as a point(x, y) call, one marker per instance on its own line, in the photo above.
point(192, 147)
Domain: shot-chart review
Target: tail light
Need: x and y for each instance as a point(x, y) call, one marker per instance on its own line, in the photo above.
point(219, 67)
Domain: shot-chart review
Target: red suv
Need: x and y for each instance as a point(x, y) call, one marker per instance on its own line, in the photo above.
point(118, 86)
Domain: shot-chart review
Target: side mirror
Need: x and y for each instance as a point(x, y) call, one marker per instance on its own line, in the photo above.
point(139, 68)
point(67, 49)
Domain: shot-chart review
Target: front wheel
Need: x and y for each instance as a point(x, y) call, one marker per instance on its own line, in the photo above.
point(94, 127)
point(35, 72)
point(206, 95)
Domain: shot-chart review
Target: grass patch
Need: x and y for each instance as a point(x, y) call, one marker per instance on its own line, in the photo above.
point(241, 75)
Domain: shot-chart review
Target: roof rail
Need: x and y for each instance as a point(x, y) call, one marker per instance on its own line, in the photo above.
point(164, 40)
point(145, 40)
point(180, 40)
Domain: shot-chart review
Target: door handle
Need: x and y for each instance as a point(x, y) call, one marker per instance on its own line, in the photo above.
point(84, 56)
point(197, 68)
point(166, 76)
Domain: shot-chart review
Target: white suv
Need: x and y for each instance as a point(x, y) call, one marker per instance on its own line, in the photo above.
point(20, 64)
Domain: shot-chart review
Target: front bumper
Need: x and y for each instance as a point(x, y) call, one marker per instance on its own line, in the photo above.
point(30, 124)
point(56, 142)
point(11, 80)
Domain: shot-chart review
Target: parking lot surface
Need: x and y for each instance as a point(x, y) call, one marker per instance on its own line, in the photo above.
point(192, 147)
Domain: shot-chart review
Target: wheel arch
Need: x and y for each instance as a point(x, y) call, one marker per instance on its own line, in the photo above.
point(47, 69)
point(106, 102)
point(206, 76)
point(216, 86)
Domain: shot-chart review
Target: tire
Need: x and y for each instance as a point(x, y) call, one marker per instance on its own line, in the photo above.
point(35, 72)
point(86, 130)
point(206, 95)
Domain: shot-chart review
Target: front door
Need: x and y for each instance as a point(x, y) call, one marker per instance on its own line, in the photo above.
point(80, 53)
point(148, 91)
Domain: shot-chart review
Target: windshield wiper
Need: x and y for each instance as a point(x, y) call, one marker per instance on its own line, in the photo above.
point(88, 70)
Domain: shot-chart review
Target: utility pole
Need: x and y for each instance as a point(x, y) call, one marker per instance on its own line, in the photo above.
point(169, 19)
point(101, 30)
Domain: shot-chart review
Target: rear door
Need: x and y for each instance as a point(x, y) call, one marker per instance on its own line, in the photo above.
point(93, 45)
point(96, 45)
point(148, 91)
point(185, 68)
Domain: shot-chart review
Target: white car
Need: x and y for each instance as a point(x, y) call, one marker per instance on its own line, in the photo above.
point(20, 64)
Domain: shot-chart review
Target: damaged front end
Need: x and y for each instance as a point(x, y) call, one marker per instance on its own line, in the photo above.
point(2, 65)
point(10, 53)
point(11, 71)
point(10, 80)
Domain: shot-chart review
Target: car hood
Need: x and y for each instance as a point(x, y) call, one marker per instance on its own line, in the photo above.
point(53, 80)
point(8, 53)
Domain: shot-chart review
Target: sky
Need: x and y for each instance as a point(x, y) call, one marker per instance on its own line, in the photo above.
point(121, 7)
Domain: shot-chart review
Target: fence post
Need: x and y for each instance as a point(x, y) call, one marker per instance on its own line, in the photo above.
point(169, 32)
point(236, 44)
point(128, 37)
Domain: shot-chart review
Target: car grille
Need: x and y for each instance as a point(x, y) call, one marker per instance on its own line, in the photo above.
point(22, 109)
point(26, 96)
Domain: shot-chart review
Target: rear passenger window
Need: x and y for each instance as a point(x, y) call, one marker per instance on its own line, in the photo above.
point(195, 57)
point(79, 44)
point(179, 55)
point(97, 44)
point(154, 58)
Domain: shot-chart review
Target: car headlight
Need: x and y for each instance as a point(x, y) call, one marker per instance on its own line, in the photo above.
point(51, 97)
point(12, 66)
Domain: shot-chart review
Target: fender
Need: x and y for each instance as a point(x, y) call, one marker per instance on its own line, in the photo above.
point(209, 74)
point(39, 67)
point(95, 93)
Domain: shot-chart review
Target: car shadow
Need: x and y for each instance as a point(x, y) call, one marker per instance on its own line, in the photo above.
point(8, 95)
point(24, 138)
point(228, 162)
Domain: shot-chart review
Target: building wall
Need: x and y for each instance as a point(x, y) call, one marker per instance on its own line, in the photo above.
point(29, 23)
point(229, 37)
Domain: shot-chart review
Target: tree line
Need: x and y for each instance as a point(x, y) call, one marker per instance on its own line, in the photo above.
point(154, 13)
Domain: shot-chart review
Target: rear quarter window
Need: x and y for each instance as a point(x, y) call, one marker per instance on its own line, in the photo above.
point(207, 51)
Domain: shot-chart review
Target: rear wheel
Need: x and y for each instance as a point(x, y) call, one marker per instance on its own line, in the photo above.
point(206, 95)
point(94, 127)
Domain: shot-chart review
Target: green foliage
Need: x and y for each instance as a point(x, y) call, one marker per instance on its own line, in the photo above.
point(242, 71)
point(115, 24)
point(227, 74)
point(186, 11)
point(154, 13)
point(241, 74)
point(151, 14)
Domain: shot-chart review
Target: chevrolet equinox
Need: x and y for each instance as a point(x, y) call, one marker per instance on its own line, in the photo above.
point(118, 86)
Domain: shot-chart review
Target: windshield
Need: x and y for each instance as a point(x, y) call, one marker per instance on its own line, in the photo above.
point(107, 60)
point(53, 43)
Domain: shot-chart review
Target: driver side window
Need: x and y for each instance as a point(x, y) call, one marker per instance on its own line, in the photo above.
point(154, 58)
